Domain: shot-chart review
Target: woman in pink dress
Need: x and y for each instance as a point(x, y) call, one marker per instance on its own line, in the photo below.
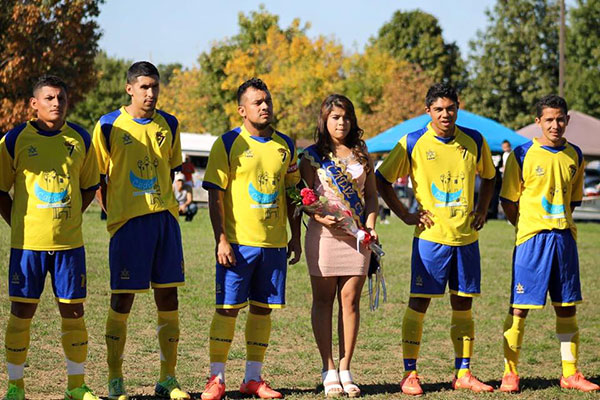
point(338, 166)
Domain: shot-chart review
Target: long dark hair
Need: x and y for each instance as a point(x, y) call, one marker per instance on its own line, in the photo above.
point(353, 140)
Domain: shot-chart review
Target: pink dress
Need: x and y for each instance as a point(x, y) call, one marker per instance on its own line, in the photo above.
point(331, 252)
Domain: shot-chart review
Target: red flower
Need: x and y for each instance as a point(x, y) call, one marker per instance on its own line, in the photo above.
point(308, 196)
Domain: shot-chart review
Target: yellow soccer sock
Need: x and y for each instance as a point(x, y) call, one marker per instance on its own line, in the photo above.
point(16, 344)
point(412, 331)
point(168, 339)
point(222, 330)
point(75, 344)
point(116, 335)
point(258, 332)
point(567, 333)
point(514, 329)
point(462, 332)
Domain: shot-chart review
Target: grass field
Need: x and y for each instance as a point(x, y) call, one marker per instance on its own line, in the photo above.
point(292, 362)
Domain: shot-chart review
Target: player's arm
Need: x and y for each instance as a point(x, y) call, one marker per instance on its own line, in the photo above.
point(5, 206)
point(224, 251)
point(577, 187)
point(511, 210)
point(294, 245)
point(486, 192)
point(511, 189)
point(188, 198)
point(421, 218)
point(87, 196)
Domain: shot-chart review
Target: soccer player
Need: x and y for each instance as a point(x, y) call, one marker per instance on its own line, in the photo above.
point(442, 160)
point(248, 171)
point(543, 183)
point(138, 149)
point(51, 167)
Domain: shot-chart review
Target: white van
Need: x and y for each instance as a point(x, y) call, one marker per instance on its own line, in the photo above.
point(197, 147)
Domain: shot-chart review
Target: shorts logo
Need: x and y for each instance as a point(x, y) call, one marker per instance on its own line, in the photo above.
point(124, 274)
point(430, 155)
point(539, 171)
point(419, 281)
point(15, 279)
point(218, 288)
point(520, 289)
point(32, 151)
point(127, 139)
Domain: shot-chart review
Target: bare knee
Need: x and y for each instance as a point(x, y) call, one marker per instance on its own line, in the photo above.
point(518, 312)
point(259, 310)
point(23, 310)
point(122, 302)
point(230, 312)
point(166, 299)
point(460, 303)
point(419, 304)
point(565, 312)
point(70, 310)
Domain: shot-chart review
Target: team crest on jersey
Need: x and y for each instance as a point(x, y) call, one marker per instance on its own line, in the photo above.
point(124, 274)
point(539, 171)
point(70, 146)
point(15, 279)
point(283, 153)
point(32, 151)
point(430, 155)
point(419, 280)
point(160, 137)
point(127, 139)
point(520, 289)
point(572, 170)
point(248, 153)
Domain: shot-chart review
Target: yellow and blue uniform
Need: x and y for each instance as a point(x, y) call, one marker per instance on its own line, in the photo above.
point(137, 156)
point(443, 172)
point(47, 171)
point(546, 182)
point(254, 173)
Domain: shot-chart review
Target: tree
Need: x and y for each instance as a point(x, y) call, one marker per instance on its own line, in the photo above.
point(40, 37)
point(107, 95)
point(184, 97)
point(583, 58)
point(167, 71)
point(416, 36)
point(514, 61)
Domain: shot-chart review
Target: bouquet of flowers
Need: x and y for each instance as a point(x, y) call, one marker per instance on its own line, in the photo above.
point(307, 200)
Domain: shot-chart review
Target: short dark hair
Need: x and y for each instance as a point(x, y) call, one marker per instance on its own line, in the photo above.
point(551, 101)
point(49, 80)
point(440, 90)
point(505, 141)
point(254, 83)
point(141, 68)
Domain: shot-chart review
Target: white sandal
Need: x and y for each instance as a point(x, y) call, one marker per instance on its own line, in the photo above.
point(348, 384)
point(331, 383)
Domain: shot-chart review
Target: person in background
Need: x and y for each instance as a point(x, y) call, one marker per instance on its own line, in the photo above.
point(187, 169)
point(183, 195)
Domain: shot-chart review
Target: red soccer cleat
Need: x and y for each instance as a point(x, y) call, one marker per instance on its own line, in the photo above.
point(259, 389)
point(469, 382)
point(214, 390)
point(411, 384)
point(510, 383)
point(578, 382)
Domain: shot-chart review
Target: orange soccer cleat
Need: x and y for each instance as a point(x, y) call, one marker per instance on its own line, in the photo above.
point(469, 382)
point(510, 383)
point(259, 389)
point(411, 384)
point(214, 390)
point(578, 382)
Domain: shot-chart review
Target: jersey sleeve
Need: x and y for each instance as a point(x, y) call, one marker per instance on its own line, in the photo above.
point(89, 177)
point(396, 164)
point(217, 170)
point(485, 166)
point(292, 176)
point(176, 159)
point(511, 182)
point(100, 149)
point(577, 188)
point(7, 169)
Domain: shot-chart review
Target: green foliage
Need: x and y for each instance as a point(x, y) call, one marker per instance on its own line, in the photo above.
point(167, 71)
point(416, 36)
point(108, 94)
point(514, 61)
point(583, 58)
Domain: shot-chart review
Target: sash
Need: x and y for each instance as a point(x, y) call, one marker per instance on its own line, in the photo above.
point(338, 178)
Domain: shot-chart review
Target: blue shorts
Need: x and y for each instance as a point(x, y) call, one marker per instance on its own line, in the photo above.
point(146, 251)
point(548, 262)
point(434, 264)
point(258, 277)
point(27, 273)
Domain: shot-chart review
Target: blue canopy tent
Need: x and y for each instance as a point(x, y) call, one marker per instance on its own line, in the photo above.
point(493, 132)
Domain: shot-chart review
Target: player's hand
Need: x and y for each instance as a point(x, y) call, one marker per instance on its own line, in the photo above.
point(373, 234)
point(295, 247)
point(328, 221)
point(422, 218)
point(479, 219)
point(225, 254)
point(182, 208)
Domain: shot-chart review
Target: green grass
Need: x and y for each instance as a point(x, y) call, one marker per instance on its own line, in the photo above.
point(292, 362)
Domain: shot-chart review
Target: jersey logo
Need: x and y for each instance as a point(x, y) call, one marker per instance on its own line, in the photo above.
point(539, 171)
point(248, 153)
point(146, 182)
point(70, 147)
point(49, 197)
point(572, 170)
point(160, 138)
point(447, 198)
point(143, 185)
point(430, 155)
point(32, 151)
point(54, 194)
point(127, 138)
point(260, 197)
point(555, 210)
point(283, 154)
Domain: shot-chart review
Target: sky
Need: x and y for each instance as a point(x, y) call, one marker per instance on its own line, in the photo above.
point(179, 31)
